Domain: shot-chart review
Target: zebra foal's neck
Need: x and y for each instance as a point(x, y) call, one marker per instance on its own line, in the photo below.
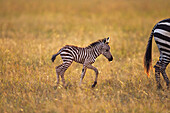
point(96, 50)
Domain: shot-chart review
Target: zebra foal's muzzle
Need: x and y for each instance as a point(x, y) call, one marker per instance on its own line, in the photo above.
point(110, 59)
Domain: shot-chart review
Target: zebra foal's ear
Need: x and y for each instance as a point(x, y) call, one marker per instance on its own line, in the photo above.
point(106, 40)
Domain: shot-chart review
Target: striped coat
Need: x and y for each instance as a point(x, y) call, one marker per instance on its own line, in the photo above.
point(85, 56)
point(161, 33)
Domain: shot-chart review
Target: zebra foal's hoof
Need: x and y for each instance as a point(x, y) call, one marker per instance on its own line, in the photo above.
point(159, 87)
point(55, 87)
point(95, 82)
point(168, 87)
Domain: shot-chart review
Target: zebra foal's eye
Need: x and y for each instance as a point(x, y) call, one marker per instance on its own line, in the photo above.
point(107, 50)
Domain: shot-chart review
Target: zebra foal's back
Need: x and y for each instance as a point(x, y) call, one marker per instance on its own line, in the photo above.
point(70, 52)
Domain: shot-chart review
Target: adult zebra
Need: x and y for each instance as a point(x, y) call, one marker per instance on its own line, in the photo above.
point(161, 33)
point(85, 56)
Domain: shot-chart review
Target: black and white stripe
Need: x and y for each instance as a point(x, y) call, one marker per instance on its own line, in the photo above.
point(85, 56)
point(162, 38)
point(161, 33)
point(71, 53)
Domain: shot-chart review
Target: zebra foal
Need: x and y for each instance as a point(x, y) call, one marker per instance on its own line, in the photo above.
point(85, 56)
point(161, 33)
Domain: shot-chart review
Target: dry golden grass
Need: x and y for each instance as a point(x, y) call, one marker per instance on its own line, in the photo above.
point(32, 31)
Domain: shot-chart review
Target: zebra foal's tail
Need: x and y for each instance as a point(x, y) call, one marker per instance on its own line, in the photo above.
point(148, 54)
point(54, 56)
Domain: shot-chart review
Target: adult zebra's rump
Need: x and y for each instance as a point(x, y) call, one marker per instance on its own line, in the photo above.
point(85, 56)
point(161, 33)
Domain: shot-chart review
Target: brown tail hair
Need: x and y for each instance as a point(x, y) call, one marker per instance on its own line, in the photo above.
point(148, 55)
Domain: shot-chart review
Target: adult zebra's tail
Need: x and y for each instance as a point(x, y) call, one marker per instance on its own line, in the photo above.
point(148, 54)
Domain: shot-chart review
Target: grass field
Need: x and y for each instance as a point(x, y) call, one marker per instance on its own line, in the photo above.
point(32, 31)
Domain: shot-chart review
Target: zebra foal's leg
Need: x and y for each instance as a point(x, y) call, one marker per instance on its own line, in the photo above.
point(58, 70)
point(157, 74)
point(82, 74)
point(64, 67)
point(96, 71)
point(165, 75)
point(63, 80)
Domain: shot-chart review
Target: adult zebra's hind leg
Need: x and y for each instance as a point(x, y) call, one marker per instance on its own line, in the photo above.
point(160, 67)
point(165, 75)
point(157, 74)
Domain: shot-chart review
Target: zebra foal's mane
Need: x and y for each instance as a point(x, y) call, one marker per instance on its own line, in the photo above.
point(91, 45)
point(96, 43)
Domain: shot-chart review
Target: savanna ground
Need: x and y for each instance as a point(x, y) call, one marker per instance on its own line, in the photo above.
point(32, 31)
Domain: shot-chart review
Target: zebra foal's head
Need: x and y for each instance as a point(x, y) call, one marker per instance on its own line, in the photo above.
point(105, 49)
